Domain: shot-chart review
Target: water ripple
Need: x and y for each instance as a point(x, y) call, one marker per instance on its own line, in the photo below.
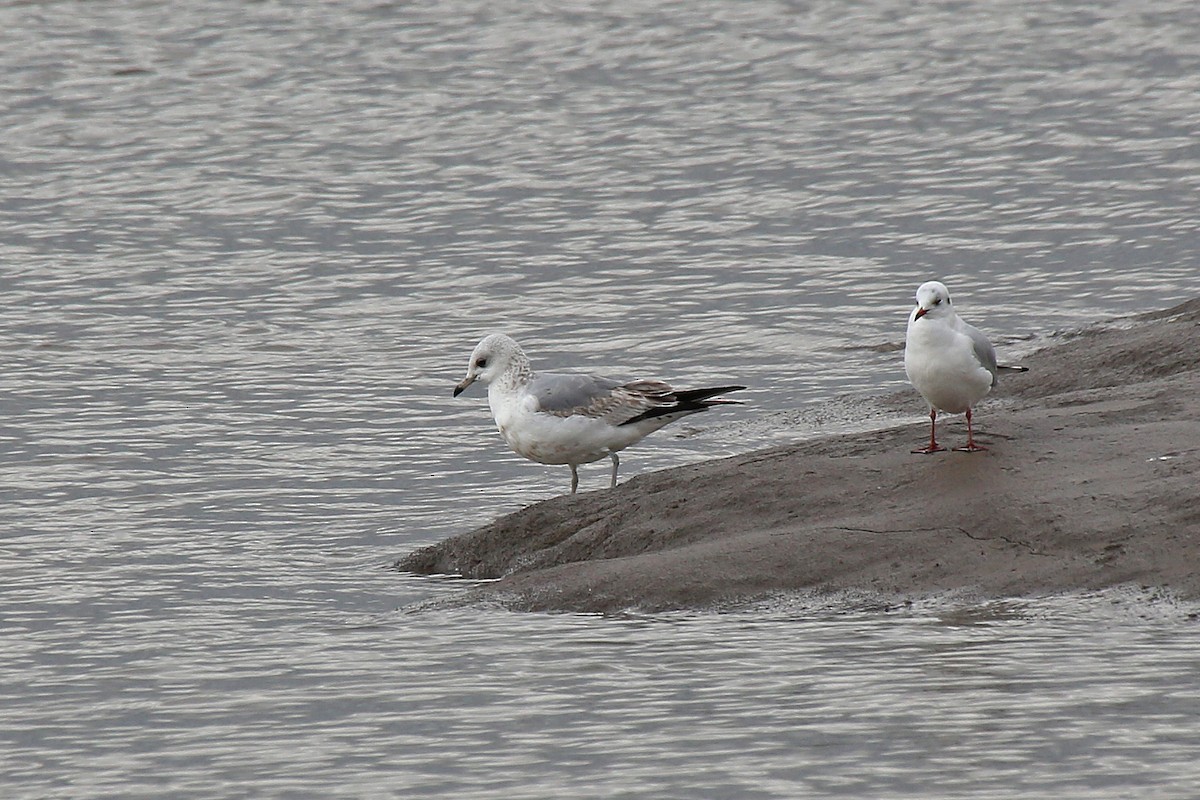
point(247, 249)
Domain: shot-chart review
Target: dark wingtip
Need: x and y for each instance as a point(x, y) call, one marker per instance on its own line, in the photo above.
point(688, 401)
point(690, 396)
point(715, 390)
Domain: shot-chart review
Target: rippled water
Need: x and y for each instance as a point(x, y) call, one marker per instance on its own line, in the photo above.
point(245, 250)
point(1080, 698)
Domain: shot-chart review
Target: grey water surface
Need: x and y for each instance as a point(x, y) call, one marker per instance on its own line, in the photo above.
point(246, 249)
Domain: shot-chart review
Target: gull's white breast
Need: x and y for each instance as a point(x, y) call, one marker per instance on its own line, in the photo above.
point(942, 365)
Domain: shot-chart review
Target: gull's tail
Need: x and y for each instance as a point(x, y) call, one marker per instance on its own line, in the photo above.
point(1011, 368)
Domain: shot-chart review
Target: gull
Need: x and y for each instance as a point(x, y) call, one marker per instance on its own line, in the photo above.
point(574, 419)
point(952, 364)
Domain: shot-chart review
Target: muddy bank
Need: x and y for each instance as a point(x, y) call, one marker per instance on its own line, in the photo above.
point(1092, 481)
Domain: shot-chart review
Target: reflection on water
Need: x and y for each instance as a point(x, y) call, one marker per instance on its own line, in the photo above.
point(1082, 696)
point(246, 252)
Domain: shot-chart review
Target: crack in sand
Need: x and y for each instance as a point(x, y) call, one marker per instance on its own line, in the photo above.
point(963, 531)
point(1014, 542)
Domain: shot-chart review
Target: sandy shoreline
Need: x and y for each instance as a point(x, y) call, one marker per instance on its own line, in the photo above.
point(1092, 481)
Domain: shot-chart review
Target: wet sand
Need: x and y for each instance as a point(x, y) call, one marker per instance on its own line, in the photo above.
point(1092, 481)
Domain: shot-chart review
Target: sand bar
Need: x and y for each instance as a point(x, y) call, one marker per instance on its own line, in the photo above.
point(1092, 481)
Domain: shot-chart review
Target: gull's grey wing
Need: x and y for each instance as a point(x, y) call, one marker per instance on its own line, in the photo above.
point(983, 349)
point(619, 403)
point(598, 397)
point(565, 395)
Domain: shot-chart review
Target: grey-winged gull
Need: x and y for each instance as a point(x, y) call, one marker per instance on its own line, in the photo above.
point(952, 364)
point(574, 419)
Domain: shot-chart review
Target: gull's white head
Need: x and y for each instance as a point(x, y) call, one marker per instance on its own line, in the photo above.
point(933, 300)
point(491, 358)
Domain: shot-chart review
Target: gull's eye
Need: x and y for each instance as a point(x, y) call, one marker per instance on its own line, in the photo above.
point(937, 301)
point(481, 362)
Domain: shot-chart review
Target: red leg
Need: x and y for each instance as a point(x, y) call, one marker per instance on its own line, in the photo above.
point(933, 445)
point(971, 446)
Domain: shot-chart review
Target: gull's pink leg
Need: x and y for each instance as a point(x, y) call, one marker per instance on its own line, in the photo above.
point(933, 445)
point(971, 446)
